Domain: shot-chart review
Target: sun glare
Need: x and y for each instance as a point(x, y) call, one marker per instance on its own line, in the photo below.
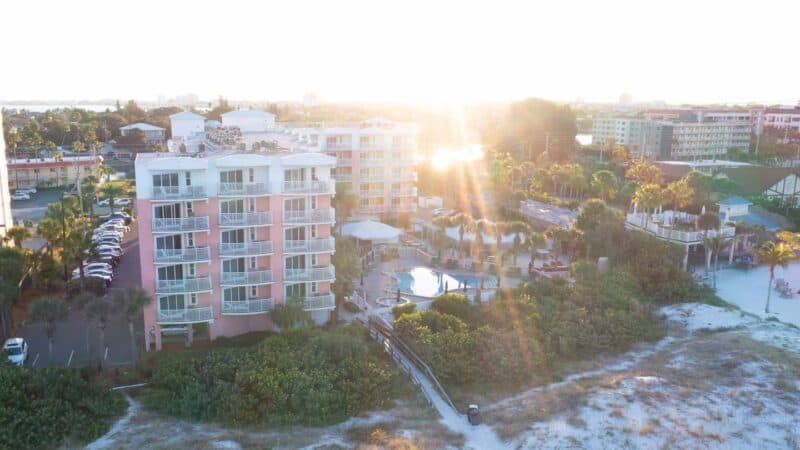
point(444, 158)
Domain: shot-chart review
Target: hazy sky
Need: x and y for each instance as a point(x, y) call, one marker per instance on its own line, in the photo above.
point(412, 51)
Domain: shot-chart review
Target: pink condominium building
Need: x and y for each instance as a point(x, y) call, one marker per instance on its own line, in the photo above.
point(226, 235)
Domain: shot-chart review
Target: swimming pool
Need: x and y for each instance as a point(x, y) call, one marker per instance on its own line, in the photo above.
point(427, 282)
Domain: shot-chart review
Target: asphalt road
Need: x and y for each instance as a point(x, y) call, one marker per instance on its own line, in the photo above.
point(77, 341)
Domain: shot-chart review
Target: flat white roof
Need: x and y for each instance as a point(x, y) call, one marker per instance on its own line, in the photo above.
point(707, 162)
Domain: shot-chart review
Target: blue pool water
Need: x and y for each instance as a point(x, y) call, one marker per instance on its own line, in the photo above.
point(427, 282)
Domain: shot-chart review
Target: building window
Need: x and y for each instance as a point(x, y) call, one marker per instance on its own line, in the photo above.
point(193, 299)
point(253, 291)
point(188, 178)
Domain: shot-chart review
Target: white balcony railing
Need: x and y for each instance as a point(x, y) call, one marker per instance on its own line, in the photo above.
point(343, 178)
point(321, 245)
point(344, 162)
point(184, 286)
point(245, 219)
point(319, 302)
point(375, 209)
point(245, 307)
point(407, 192)
point(309, 216)
point(667, 233)
point(182, 224)
point(236, 189)
point(238, 249)
point(307, 187)
point(327, 273)
point(179, 193)
point(371, 193)
point(186, 316)
point(250, 278)
point(182, 255)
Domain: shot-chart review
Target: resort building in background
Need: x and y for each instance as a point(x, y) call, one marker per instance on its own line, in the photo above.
point(376, 158)
point(6, 220)
point(249, 121)
point(58, 171)
point(226, 235)
point(186, 124)
point(152, 133)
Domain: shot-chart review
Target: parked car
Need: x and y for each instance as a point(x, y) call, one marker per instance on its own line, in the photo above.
point(117, 215)
point(102, 272)
point(16, 349)
point(20, 196)
point(94, 265)
point(125, 201)
point(28, 190)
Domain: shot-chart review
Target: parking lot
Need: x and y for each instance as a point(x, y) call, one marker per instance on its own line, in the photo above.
point(35, 208)
point(77, 341)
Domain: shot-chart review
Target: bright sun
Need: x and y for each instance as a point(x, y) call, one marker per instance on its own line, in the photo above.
point(444, 158)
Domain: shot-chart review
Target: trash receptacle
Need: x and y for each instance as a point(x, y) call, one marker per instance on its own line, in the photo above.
point(474, 415)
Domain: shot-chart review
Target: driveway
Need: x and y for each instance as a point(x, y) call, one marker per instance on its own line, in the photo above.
point(77, 340)
point(35, 208)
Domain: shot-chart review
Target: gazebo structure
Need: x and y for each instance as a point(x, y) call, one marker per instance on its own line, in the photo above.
point(372, 231)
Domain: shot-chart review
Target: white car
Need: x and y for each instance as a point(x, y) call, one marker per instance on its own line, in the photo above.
point(125, 201)
point(20, 196)
point(17, 351)
point(27, 190)
point(103, 202)
point(91, 272)
point(95, 266)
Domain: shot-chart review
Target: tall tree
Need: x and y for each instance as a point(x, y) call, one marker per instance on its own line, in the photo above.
point(708, 221)
point(18, 234)
point(133, 301)
point(533, 127)
point(465, 224)
point(99, 310)
point(774, 254)
point(49, 311)
point(79, 246)
point(649, 197)
point(604, 183)
point(644, 172)
point(105, 170)
point(112, 192)
point(345, 202)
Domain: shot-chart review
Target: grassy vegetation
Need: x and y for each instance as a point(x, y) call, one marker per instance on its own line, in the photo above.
point(46, 408)
point(302, 377)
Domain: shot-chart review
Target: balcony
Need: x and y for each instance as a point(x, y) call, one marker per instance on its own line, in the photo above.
point(181, 224)
point(307, 187)
point(327, 273)
point(371, 193)
point(168, 193)
point(319, 302)
point(406, 176)
point(373, 162)
point(309, 216)
point(186, 316)
point(241, 249)
point(245, 219)
point(343, 178)
point(375, 209)
point(344, 161)
point(184, 286)
point(250, 278)
point(247, 307)
point(322, 245)
point(242, 189)
point(182, 255)
point(406, 208)
point(407, 192)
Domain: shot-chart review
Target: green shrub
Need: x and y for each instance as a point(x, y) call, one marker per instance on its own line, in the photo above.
point(399, 310)
point(50, 407)
point(303, 376)
point(456, 305)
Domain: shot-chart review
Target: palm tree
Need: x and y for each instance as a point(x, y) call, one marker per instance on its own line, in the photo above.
point(708, 221)
point(679, 193)
point(715, 245)
point(465, 223)
point(346, 202)
point(99, 310)
point(774, 255)
point(133, 300)
point(442, 222)
point(18, 234)
point(89, 192)
point(520, 230)
point(534, 241)
point(8, 296)
point(50, 229)
point(49, 311)
point(111, 192)
point(649, 197)
point(482, 226)
point(79, 246)
point(106, 170)
point(604, 182)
